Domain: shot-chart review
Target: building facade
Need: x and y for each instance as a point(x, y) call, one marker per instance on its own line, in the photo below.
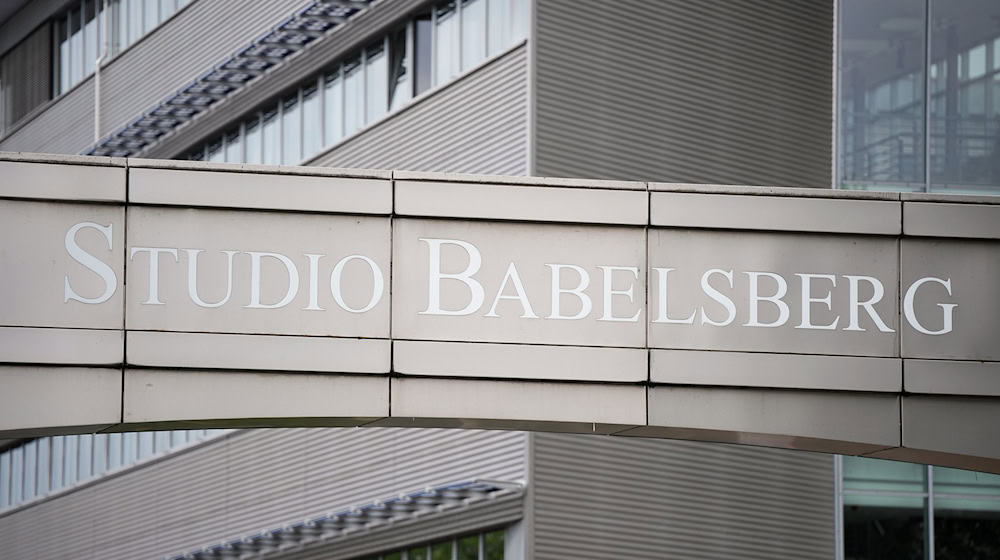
point(897, 95)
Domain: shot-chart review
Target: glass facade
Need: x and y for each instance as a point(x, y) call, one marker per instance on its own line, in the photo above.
point(918, 99)
point(45, 465)
point(383, 77)
point(910, 511)
point(78, 34)
point(482, 546)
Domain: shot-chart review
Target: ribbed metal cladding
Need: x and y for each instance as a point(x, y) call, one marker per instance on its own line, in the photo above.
point(475, 125)
point(249, 481)
point(199, 36)
point(24, 86)
point(599, 497)
point(707, 92)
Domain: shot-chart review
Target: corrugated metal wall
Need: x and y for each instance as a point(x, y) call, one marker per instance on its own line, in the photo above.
point(601, 497)
point(250, 481)
point(475, 125)
point(201, 35)
point(709, 91)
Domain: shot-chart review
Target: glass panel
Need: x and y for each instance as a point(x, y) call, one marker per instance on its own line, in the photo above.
point(100, 453)
point(161, 440)
point(291, 131)
point(71, 457)
point(75, 48)
point(5, 479)
point(89, 37)
point(518, 21)
point(965, 134)
point(473, 32)
point(499, 21)
point(881, 110)
point(178, 438)
point(272, 149)
point(441, 551)
point(167, 9)
point(965, 529)
point(376, 83)
point(312, 129)
point(422, 54)
point(885, 532)
point(400, 88)
point(150, 15)
point(114, 451)
point(215, 151)
point(30, 469)
point(130, 448)
point(44, 465)
point(417, 553)
point(468, 548)
point(446, 46)
point(16, 475)
point(493, 545)
point(134, 21)
point(62, 34)
point(56, 469)
point(333, 108)
point(119, 19)
point(86, 456)
point(145, 444)
point(234, 151)
point(252, 141)
point(353, 96)
point(864, 474)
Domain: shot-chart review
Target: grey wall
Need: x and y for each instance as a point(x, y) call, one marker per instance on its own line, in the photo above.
point(703, 92)
point(475, 125)
point(201, 35)
point(250, 481)
point(608, 498)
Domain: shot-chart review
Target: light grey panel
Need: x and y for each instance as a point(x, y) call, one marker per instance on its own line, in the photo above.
point(702, 92)
point(597, 498)
point(954, 278)
point(202, 35)
point(249, 481)
point(475, 125)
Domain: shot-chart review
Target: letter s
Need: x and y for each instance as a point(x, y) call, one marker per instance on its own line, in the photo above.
point(92, 263)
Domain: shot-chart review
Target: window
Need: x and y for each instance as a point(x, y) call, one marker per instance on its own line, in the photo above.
point(480, 546)
point(903, 510)
point(371, 84)
point(41, 466)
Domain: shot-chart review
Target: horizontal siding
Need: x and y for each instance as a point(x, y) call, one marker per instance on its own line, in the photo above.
point(249, 481)
point(599, 497)
point(195, 39)
point(475, 125)
point(706, 92)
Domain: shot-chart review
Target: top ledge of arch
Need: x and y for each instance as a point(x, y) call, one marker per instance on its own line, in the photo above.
point(523, 181)
point(772, 191)
point(31, 157)
point(261, 169)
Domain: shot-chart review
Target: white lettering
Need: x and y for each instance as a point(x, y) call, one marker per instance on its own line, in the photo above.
point(719, 297)
point(661, 315)
point(435, 276)
point(869, 306)
point(808, 300)
point(92, 263)
point(192, 255)
point(557, 291)
point(515, 279)
point(154, 270)
point(313, 282)
point(609, 293)
point(378, 283)
point(756, 298)
point(947, 309)
point(293, 280)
